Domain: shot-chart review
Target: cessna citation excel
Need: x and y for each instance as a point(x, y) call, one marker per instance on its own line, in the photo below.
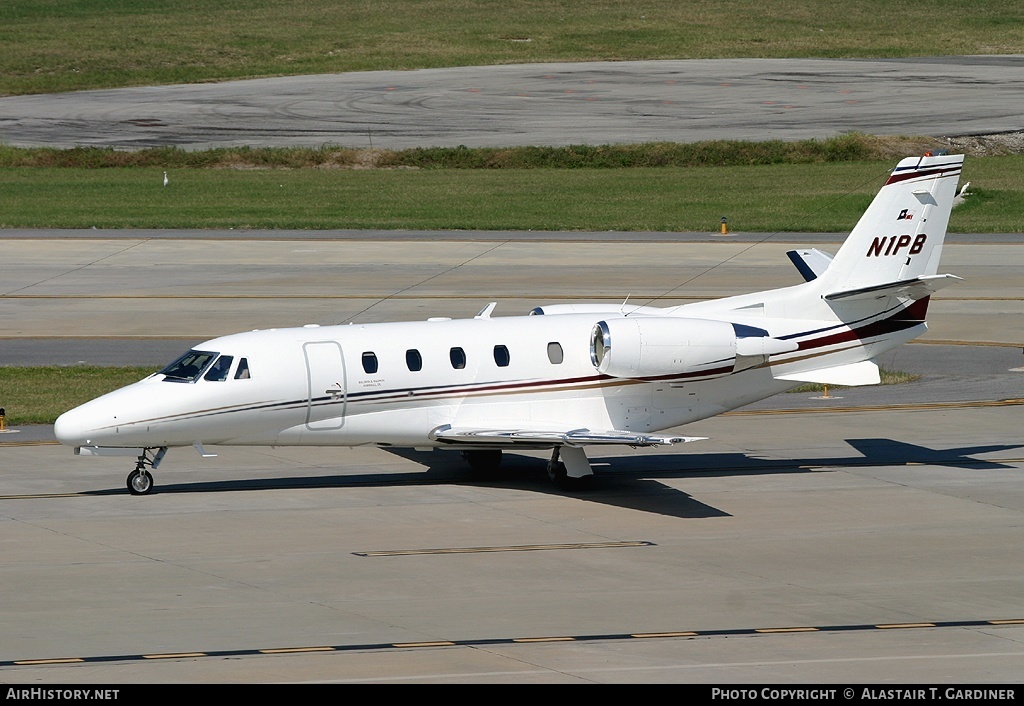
point(563, 377)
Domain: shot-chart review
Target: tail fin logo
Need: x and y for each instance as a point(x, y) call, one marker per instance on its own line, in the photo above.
point(891, 245)
point(905, 215)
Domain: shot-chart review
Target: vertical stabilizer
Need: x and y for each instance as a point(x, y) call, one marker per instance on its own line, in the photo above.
point(900, 235)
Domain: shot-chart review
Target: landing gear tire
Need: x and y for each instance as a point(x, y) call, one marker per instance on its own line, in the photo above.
point(483, 463)
point(140, 482)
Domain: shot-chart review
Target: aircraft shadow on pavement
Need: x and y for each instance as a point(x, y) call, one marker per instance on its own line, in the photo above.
point(890, 452)
point(630, 482)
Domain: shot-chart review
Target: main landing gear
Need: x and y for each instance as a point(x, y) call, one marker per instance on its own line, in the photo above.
point(140, 481)
point(568, 467)
point(573, 472)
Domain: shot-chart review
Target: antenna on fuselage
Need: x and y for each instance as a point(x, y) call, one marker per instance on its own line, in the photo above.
point(485, 313)
point(622, 308)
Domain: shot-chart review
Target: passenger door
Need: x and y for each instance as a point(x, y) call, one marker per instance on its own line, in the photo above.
point(327, 392)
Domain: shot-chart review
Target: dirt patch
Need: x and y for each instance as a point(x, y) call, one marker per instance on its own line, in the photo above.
point(997, 144)
point(1005, 143)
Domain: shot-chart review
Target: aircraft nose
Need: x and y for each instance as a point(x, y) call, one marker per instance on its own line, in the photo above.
point(70, 428)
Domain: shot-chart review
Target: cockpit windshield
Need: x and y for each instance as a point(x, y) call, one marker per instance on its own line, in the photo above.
point(189, 366)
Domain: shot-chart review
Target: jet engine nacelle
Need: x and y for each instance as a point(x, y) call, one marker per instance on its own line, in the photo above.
point(645, 347)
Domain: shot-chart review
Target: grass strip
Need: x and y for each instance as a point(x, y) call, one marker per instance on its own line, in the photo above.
point(55, 46)
point(817, 197)
point(38, 395)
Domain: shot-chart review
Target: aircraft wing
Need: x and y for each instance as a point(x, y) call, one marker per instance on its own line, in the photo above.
point(547, 438)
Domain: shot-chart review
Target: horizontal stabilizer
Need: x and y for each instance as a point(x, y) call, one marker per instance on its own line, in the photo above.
point(862, 373)
point(811, 262)
point(543, 437)
point(917, 288)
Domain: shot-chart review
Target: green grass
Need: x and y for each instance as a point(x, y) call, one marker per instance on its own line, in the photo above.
point(848, 147)
point(38, 395)
point(65, 45)
point(718, 153)
point(826, 197)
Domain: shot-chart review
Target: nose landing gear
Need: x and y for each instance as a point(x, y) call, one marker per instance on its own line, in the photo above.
point(140, 481)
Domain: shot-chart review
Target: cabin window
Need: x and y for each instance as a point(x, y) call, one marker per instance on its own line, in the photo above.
point(242, 373)
point(369, 362)
point(188, 367)
point(218, 372)
point(458, 358)
point(501, 356)
point(413, 360)
point(555, 354)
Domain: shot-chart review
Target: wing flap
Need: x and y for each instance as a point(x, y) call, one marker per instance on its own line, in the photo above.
point(553, 437)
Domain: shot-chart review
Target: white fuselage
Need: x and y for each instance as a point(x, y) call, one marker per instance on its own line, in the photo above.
point(351, 385)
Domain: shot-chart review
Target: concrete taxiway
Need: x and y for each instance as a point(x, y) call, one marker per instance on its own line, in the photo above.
point(873, 537)
point(881, 546)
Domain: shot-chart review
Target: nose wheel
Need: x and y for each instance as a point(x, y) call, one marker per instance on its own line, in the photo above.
point(140, 481)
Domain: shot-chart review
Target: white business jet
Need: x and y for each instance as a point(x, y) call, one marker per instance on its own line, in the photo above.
point(563, 377)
